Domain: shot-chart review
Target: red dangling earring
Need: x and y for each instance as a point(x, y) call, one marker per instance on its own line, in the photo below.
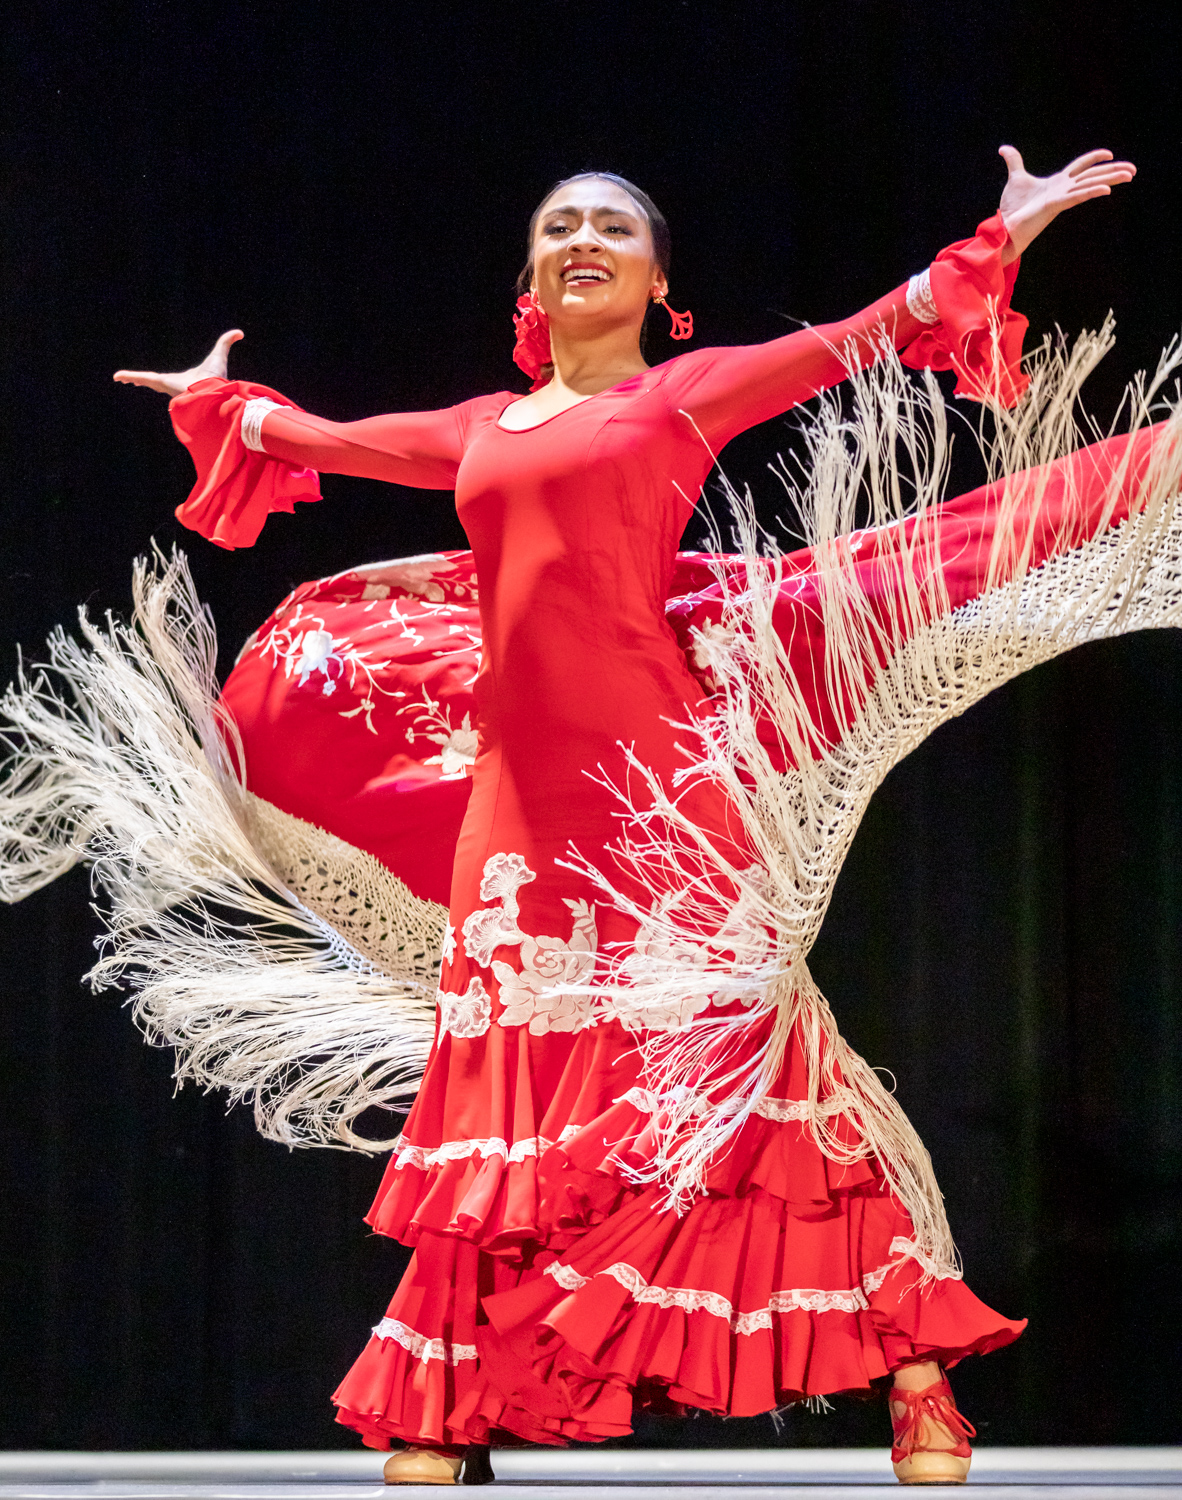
point(683, 323)
point(531, 352)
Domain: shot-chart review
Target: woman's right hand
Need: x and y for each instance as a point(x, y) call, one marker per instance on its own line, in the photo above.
point(214, 364)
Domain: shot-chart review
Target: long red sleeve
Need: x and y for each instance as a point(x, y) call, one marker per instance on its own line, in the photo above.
point(728, 390)
point(237, 488)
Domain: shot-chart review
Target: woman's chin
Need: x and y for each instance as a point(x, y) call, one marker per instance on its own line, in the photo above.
point(578, 309)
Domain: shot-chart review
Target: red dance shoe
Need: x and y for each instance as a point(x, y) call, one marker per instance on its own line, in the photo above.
point(930, 1416)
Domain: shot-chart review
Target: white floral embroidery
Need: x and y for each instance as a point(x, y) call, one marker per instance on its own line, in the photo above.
point(535, 992)
point(448, 951)
point(467, 1015)
point(529, 994)
point(458, 753)
point(504, 875)
point(695, 972)
point(317, 653)
point(317, 650)
point(422, 1347)
point(547, 963)
point(487, 930)
point(496, 926)
point(694, 1299)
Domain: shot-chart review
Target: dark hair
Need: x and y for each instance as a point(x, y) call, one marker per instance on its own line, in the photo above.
point(658, 228)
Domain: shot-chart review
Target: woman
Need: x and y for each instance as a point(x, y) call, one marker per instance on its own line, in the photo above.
point(641, 1165)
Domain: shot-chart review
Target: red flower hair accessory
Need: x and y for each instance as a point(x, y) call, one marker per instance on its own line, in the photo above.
point(532, 350)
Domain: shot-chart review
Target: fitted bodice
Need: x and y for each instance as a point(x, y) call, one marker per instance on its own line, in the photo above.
point(574, 526)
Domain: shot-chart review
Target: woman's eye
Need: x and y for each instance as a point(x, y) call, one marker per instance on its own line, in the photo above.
point(556, 229)
point(618, 229)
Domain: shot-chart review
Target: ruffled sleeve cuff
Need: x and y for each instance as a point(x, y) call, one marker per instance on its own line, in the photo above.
point(236, 489)
point(979, 335)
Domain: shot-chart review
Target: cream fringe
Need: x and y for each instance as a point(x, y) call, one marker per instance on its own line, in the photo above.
point(281, 964)
point(297, 973)
point(708, 1076)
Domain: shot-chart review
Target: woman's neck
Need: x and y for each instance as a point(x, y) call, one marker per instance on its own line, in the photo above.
point(582, 368)
point(585, 364)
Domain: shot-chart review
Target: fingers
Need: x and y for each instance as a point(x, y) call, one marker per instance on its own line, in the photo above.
point(139, 377)
point(1117, 171)
point(231, 336)
point(1088, 159)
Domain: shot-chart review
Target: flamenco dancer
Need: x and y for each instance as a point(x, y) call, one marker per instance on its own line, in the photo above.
point(642, 1166)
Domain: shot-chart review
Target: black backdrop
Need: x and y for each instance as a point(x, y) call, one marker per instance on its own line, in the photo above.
point(350, 184)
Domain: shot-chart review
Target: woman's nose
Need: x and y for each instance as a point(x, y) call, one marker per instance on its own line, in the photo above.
point(587, 241)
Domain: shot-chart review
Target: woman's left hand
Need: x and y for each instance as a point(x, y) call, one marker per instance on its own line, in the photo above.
point(1029, 203)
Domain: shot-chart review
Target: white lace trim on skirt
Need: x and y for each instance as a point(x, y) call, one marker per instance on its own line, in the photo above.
point(420, 1345)
point(407, 1154)
point(792, 1299)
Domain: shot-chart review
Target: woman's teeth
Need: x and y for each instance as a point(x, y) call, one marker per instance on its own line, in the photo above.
point(585, 273)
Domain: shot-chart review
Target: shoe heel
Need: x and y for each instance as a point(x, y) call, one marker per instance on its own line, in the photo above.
point(478, 1467)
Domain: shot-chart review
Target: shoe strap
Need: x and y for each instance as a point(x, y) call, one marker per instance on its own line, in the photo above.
point(936, 1403)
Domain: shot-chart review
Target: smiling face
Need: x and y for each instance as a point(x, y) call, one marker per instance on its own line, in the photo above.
point(593, 256)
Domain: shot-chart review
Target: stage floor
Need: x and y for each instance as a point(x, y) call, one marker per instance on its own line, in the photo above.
point(587, 1474)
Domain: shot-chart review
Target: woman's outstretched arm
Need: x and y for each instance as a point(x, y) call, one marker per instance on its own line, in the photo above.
point(257, 452)
point(954, 315)
point(421, 449)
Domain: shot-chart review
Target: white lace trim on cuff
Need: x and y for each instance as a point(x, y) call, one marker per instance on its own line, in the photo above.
point(252, 421)
point(420, 1345)
point(920, 302)
point(792, 1299)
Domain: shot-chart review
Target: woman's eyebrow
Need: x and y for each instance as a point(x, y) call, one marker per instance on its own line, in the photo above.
point(569, 208)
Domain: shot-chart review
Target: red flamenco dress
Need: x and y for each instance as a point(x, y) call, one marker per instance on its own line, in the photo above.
point(582, 1242)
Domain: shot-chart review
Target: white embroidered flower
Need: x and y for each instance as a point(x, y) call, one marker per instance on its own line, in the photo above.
point(709, 639)
point(467, 1015)
point(376, 591)
point(667, 1013)
point(547, 964)
point(458, 752)
point(485, 931)
point(529, 1001)
point(504, 875)
point(448, 952)
point(317, 652)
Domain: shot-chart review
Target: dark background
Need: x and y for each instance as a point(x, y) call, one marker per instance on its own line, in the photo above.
point(350, 184)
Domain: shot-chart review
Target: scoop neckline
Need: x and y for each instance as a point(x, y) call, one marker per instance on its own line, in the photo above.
point(545, 422)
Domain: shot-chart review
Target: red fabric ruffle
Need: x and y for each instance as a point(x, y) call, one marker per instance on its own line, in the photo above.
point(236, 489)
point(972, 290)
point(623, 1328)
point(556, 1364)
point(581, 1144)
